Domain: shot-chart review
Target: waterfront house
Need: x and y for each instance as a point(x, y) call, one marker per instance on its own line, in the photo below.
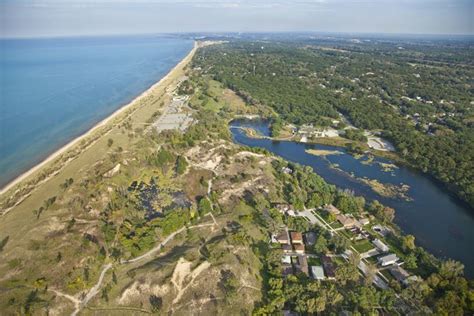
point(364, 221)
point(332, 209)
point(347, 222)
point(382, 230)
point(380, 245)
point(399, 273)
point(388, 260)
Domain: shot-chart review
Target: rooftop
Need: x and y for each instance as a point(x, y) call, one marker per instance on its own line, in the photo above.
point(317, 272)
point(332, 209)
point(299, 247)
point(296, 237)
point(391, 258)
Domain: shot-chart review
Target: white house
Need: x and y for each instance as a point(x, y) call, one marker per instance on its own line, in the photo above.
point(380, 245)
point(388, 260)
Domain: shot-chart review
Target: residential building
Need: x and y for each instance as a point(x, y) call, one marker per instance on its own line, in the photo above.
point(346, 221)
point(296, 238)
point(332, 209)
point(364, 221)
point(399, 273)
point(286, 248)
point(317, 272)
point(380, 245)
point(388, 260)
point(299, 248)
point(302, 265)
point(282, 238)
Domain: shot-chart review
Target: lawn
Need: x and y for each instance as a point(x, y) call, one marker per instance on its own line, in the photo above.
point(314, 261)
point(363, 246)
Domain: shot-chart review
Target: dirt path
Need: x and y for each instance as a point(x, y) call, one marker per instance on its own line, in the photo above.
point(164, 242)
point(69, 297)
point(93, 291)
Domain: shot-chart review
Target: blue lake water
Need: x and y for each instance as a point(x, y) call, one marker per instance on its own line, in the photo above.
point(52, 90)
point(440, 222)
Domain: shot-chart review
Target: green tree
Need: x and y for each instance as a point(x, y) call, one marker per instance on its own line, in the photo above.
point(156, 303)
point(411, 261)
point(408, 243)
point(181, 165)
point(204, 206)
point(320, 246)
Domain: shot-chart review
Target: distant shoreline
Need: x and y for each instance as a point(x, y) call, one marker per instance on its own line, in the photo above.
point(17, 180)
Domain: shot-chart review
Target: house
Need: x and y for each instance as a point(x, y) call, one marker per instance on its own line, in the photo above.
point(317, 272)
point(332, 209)
point(282, 208)
point(282, 238)
point(329, 267)
point(380, 245)
point(382, 230)
point(286, 170)
point(286, 259)
point(364, 221)
point(286, 248)
point(302, 265)
point(347, 222)
point(399, 273)
point(299, 248)
point(388, 260)
point(310, 238)
point(296, 238)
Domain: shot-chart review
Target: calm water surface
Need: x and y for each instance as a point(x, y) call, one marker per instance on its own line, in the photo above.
point(52, 90)
point(441, 223)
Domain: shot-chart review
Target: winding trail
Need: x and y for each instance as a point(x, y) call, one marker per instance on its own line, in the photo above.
point(93, 291)
point(164, 242)
point(80, 304)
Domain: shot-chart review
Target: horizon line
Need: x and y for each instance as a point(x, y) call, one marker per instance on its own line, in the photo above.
point(236, 32)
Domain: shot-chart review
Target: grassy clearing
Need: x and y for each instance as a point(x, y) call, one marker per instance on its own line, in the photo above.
point(363, 246)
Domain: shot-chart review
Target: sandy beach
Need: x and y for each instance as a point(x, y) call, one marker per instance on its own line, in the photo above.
point(97, 126)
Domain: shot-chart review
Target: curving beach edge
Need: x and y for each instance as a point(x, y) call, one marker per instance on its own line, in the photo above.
point(166, 80)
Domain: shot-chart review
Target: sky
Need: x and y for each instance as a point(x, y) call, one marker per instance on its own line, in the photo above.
point(46, 18)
